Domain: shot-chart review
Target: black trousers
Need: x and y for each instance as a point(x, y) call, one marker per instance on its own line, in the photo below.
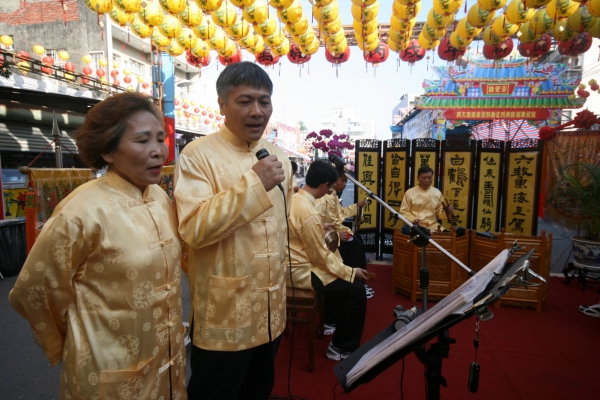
point(353, 254)
point(352, 307)
point(227, 375)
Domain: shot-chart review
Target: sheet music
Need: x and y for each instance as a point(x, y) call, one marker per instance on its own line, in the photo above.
point(452, 303)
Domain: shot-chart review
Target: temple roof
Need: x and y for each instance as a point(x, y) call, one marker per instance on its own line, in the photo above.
point(437, 103)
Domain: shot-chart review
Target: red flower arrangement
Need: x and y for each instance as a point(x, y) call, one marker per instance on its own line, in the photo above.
point(335, 145)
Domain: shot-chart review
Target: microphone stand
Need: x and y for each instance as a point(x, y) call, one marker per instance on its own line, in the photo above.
point(420, 236)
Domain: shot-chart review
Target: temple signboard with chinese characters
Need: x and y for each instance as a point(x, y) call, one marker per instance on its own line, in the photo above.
point(514, 89)
point(368, 170)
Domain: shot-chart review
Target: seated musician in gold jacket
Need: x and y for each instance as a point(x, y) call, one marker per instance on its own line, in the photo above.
point(315, 267)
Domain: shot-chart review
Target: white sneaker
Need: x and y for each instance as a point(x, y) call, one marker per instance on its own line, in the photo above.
point(370, 292)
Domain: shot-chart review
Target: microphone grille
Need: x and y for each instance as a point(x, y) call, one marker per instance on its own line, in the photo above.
point(262, 153)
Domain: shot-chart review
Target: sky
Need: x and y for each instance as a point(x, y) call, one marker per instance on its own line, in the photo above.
point(311, 94)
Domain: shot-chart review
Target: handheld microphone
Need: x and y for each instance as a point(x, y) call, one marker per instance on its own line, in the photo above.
point(262, 153)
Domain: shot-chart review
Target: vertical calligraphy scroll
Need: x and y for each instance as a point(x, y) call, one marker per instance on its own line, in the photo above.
point(396, 161)
point(367, 169)
point(425, 154)
point(490, 165)
point(457, 180)
point(522, 186)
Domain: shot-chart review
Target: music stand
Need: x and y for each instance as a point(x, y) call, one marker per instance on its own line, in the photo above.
point(492, 292)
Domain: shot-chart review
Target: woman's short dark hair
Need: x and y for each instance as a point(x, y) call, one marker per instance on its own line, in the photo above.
point(321, 172)
point(242, 73)
point(106, 123)
point(424, 170)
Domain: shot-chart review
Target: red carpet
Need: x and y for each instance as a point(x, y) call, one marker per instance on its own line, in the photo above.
point(553, 354)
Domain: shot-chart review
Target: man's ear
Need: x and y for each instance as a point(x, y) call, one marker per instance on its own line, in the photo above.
point(222, 104)
point(108, 157)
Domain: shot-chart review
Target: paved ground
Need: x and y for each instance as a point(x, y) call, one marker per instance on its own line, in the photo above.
point(25, 373)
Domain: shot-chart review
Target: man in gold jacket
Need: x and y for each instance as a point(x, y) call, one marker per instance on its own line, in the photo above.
point(423, 204)
point(315, 267)
point(232, 214)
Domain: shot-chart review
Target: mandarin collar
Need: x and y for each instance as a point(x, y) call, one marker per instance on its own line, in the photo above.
point(239, 144)
point(120, 184)
point(307, 195)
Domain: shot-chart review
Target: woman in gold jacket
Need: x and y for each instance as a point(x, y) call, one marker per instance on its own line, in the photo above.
point(101, 287)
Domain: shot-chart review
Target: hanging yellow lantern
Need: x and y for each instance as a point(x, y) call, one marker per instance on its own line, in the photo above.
point(365, 45)
point(119, 17)
point(141, 29)
point(170, 27)
point(63, 55)
point(187, 39)
point(489, 37)
point(249, 40)
point(542, 22)
point(209, 5)
point(205, 30)
point(128, 6)
point(364, 28)
point(337, 37)
point(405, 12)
point(327, 13)
point(87, 59)
point(279, 4)
point(491, 5)
point(257, 13)
point(276, 38)
point(558, 9)
point(436, 20)
point(201, 49)
point(258, 47)
point(219, 39)
point(39, 50)
point(397, 36)
point(426, 43)
point(159, 40)
point(173, 6)
point(339, 48)
point(393, 46)
point(365, 2)
point(99, 6)
point(240, 29)
point(300, 26)
point(459, 42)
point(242, 3)
point(367, 13)
point(594, 30)
point(266, 27)
point(594, 7)
point(478, 17)
point(517, 12)
point(151, 14)
point(562, 31)
point(291, 14)
point(283, 49)
point(126, 72)
point(191, 16)
point(175, 49)
point(432, 33)
point(179, 112)
point(6, 40)
point(501, 27)
point(312, 47)
point(306, 38)
point(446, 7)
point(527, 34)
point(402, 25)
point(140, 79)
point(229, 50)
point(23, 66)
point(225, 15)
point(102, 62)
point(465, 30)
point(581, 20)
point(536, 3)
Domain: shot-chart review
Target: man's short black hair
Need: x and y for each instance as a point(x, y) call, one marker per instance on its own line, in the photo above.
point(424, 170)
point(242, 73)
point(294, 166)
point(321, 172)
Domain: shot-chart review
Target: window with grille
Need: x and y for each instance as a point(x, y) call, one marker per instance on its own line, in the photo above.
point(521, 91)
point(136, 67)
point(96, 56)
point(54, 54)
point(473, 92)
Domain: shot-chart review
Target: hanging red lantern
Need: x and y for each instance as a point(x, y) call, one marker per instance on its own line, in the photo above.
point(498, 51)
point(537, 48)
point(207, 121)
point(218, 117)
point(211, 115)
point(295, 55)
point(338, 58)
point(578, 45)
point(114, 73)
point(127, 79)
point(204, 112)
point(196, 110)
point(145, 85)
point(48, 62)
point(69, 66)
point(187, 114)
point(87, 70)
point(447, 52)
point(266, 58)
point(186, 105)
point(23, 55)
point(379, 55)
point(116, 82)
point(100, 72)
point(237, 57)
point(413, 52)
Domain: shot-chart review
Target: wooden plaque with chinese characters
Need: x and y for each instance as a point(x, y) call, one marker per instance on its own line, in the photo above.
point(490, 163)
point(457, 180)
point(367, 172)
